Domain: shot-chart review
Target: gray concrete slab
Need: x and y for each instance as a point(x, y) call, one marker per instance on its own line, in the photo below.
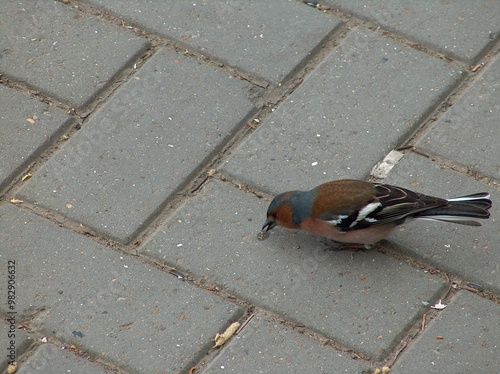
point(51, 359)
point(461, 29)
point(345, 117)
point(362, 94)
point(362, 300)
point(106, 303)
point(27, 128)
point(266, 347)
point(135, 152)
point(469, 341)
point(471, 252)
point(62, 52)
point(469, 132)
point(11, 337)
point(268, 39)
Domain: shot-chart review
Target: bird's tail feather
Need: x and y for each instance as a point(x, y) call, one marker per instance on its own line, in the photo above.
point(460, 210)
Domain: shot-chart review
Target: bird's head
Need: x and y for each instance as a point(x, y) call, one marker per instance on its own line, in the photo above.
point(288, 210)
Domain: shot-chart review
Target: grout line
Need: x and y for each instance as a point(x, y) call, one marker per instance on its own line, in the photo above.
point(170, 42)
point(272, 96)
point(403, 39)
point(440, 110)
point(220, 291)
point(30, 324)
point(459, 168)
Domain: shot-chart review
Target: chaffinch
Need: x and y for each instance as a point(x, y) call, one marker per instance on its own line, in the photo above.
point(352, 211)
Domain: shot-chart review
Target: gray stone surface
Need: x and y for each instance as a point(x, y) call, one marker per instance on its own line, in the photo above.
point(21, 341)
point(471, 344)
point(266, 38)
point(145, 138)
point(345, 117)
point(461, 29)
point(266, 347)
point(363, 300)
point(51, 359)
point(63, 52)
point(469, 132)
point(106, 303)
point(23, 141)
point(471, 252)
point(159, 128)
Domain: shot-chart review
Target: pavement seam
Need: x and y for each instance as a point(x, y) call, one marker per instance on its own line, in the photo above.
point(30, 324)
point(206, 284)
point(272, 96)
point(400, 38)
point(448, 164)
point(447, 101)
point(173, 44)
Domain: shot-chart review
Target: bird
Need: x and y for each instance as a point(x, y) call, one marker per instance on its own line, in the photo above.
point(358, 212)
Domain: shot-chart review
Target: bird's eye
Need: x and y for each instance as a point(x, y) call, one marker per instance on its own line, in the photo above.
point(274, 216)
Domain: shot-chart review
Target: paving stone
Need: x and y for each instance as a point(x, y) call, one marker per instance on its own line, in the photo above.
point(23, 141)
point(469, 326)
point(106, 303)
point(20, 340)
point(141, 147)
point(268, 39)
point(363, 300)
point(266, 347)
point(51, 359)
point(469, 131)
point(345, 117)
point(461, 29)
point(63, 52)
point(470, 252)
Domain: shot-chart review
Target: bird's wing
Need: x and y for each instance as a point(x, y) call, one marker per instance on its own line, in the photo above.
point(385, 204)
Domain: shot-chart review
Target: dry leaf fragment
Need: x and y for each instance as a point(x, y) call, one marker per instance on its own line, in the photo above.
point(11, 369)
point(69, 205)
point(440, 337)
point(16, 201)
point(30, 120)
point(439, 306)
point(27, 176)
point(475, 68)
point(221, 339)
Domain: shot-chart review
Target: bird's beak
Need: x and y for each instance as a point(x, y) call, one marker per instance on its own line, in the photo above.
point(268, 225)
